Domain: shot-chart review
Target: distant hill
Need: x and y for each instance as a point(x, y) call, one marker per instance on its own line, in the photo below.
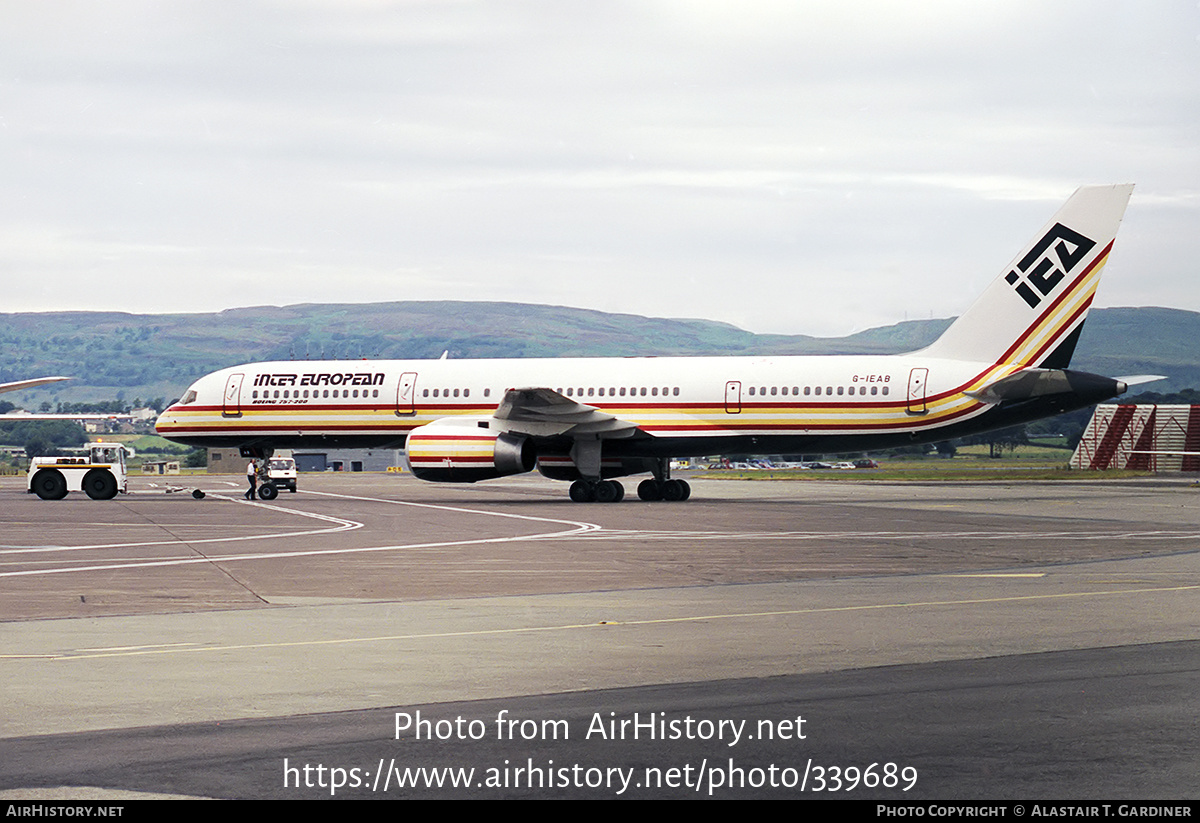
point(158, 355)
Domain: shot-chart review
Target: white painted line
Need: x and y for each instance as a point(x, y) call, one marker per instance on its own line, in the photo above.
point(576, 527)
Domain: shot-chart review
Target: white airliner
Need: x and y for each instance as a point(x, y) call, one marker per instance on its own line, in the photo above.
point(587, 420)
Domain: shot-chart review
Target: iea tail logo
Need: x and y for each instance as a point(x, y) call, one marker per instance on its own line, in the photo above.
point(1048, 263)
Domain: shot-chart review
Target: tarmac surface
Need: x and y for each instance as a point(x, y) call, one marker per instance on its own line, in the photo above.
point(1020, 640)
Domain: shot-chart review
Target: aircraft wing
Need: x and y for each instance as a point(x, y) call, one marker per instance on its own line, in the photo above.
point(540, 412)
point(29, 384)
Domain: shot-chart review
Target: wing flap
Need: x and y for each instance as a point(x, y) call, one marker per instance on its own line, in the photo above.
point(541, 412)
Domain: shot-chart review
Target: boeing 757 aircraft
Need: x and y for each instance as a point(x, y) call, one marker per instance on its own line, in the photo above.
point(587, 420)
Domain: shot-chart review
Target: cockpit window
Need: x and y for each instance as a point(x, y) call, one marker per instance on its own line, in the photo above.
point(188, 397)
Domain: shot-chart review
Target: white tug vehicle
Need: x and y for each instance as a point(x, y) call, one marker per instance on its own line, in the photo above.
point(99, 475)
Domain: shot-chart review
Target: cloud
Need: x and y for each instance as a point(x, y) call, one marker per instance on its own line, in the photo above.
point(789, 167)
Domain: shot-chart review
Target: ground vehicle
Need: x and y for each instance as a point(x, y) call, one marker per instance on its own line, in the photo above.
point(100, 475)
point(281, 473)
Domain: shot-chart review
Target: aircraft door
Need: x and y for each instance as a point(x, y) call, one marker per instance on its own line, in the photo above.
point(233, 396)
point(916, 391)
point(733, 397)
point(406, 394)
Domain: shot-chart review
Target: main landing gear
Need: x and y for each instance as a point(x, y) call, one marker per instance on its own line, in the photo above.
point(598, 491)
point(670, 490)
point(660, 487)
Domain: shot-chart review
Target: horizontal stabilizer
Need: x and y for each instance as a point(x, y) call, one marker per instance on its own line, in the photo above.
point(1029, 383)
point(1139, 379)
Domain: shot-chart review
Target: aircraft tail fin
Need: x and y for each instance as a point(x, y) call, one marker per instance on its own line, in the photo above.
point(1032, 314)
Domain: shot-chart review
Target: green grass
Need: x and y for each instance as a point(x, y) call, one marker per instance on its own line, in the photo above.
point(1031, 452)
point(936, 470)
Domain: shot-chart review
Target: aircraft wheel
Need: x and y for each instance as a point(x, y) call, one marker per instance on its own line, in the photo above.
point(99, 484)
point(198, 494)
point(582, 492)
point(267, 491)
point(609, 491)
point(49, 484)
point(674, 490)
point(649, 490)
point(687, 489)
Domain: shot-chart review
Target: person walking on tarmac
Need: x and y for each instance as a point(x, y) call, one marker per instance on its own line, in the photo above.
point(252, 479)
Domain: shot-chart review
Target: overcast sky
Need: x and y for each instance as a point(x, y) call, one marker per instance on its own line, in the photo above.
point(793, 167)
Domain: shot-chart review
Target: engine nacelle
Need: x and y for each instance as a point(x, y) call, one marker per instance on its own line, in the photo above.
point(463, 451)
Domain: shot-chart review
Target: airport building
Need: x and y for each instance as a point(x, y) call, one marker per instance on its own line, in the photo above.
point(230, 461)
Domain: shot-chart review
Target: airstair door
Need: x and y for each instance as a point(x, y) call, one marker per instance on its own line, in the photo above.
point(916, 391)
point(733, 397)
point(406, 394)
point(233, 396)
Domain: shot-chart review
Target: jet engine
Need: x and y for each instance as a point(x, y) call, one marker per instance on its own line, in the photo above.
point(464, 451)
